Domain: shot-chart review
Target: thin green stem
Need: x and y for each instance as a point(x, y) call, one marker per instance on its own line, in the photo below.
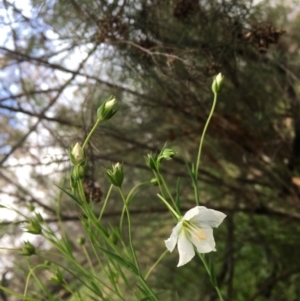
point(31, 272)
point(156, 175)
point(93, 220)
point(169, 207)
point(134, 189)
point(58, 208)
point(91, 238)
point(83, 273)
point(68, 288)
point(41, 286)
point(166, 188)
point(128, 199)
point(219, 293)
point(87, 139)
point(13, 293)
point(105, 202)
point(81, 191)
point(10, 249)
point(129, 230)
point(201, 142)
point(215, 285)
point(147, 289)
point(88, 259)
point(156, 263)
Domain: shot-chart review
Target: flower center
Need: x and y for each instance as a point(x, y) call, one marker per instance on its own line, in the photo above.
point(193, 231)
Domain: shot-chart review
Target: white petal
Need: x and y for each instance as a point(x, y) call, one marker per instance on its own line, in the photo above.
point(204, 241)
point(172, 240)
point(207, 217)
point(192, 212)
point(185, 249)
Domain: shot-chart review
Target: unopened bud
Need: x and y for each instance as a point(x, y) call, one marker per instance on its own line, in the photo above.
point(57, 279)
point(34, 227)
point(166, 154)
point(39, 217)
point(81, 240)
point(151, 162)
point(154, 182)
point(114, 238)
point(217, 83)
point(28, 249)
point(116, 174)
point(77, 154)
point(106, 110)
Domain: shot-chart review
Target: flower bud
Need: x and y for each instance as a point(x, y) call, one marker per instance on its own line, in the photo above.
point(81, 240)
point(151, 162)
point(39, 217)
point(57, 279)
point(34, 227)
point(28, 249)
point(166, 154)
point(79, 171)
point(217, 83)
point(106, 111)
point(154, 182)
point(77, 154)
point(116, 174)
point(113, 237)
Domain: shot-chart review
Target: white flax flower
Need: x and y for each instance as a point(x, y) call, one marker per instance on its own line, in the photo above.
point(195, 229)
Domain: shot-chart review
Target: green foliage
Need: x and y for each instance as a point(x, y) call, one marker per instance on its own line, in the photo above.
point(158, 58)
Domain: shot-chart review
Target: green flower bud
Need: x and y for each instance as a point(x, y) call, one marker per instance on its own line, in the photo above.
point(151, 162)
point(106, 111)
point(39, 217)
point(154, 182)
point(166, 154)
point(57, 278)
point(77, 154)
point(81, 240)
point(79, 171)
point(217, 83)
point(116, 174)
point(114, 238)
point(28, 249)
point(34, 227)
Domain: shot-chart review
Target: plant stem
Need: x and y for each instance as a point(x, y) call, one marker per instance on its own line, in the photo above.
point(215, 285)
point(201, 142)
point(166, 188)
point(105, 202)
point(88, 259)
point(129, 231)
point(156, 263)
point(128, 199)
point(87, 139)
point(169, 207)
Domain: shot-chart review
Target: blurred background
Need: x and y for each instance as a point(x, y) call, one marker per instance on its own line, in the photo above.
point(59, 60)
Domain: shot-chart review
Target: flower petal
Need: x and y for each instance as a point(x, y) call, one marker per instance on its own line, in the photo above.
point(207, 217)
point(204, 242)
point(192, 213)
point(172, 240)
point(185, 249)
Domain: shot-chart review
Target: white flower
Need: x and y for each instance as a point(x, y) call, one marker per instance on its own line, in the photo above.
point(195, 228)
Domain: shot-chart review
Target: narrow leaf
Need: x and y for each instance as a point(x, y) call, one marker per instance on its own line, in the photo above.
point(121, 261)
